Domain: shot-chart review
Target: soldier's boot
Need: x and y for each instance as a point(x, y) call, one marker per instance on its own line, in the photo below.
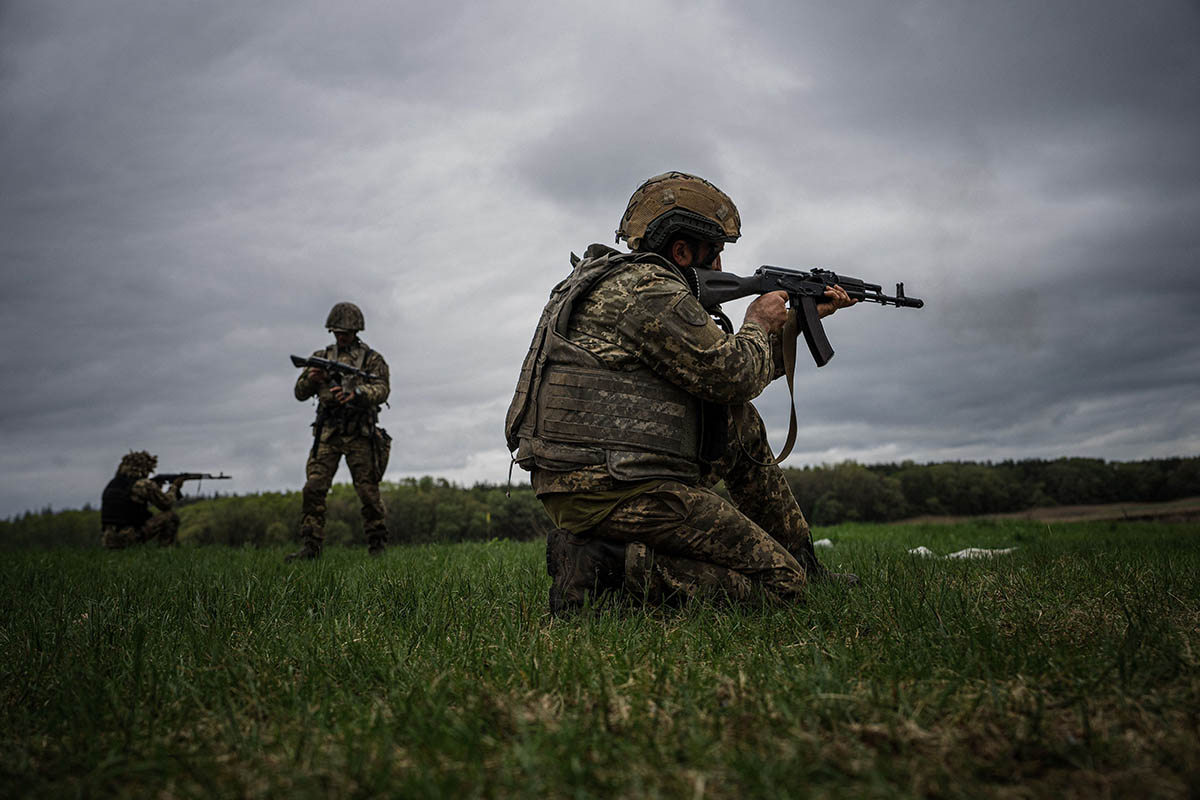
point(114, 539)
point(581, 568)
point(310, 547)
point(848, 579)
point(377, 544)
point(816, 572)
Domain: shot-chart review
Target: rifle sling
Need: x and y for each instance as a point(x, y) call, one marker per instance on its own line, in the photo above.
point(791, 332)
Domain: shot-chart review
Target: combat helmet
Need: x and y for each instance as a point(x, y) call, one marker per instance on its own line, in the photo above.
point(345, 317)
point(138, 463)
point(676, 202)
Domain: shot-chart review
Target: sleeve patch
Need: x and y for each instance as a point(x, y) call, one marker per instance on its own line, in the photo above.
point(690, 311)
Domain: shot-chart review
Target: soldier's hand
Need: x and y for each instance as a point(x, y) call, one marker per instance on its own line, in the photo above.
point(341, 395)
point(317, 375)
point(837, 299)
point(769, 310)
point(177, 485)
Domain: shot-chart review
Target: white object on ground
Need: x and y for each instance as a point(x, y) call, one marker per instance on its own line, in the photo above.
point(970, 552)
point(823, 543)
point(981, 552)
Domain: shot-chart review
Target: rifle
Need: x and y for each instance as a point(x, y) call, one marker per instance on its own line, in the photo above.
point(336, 368)
point(805, 290)
point(171, 477)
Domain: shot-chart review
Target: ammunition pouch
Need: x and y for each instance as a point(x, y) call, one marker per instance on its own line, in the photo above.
point(636, 424)
point(381, 451)
point(616, 411)
point(347, 420)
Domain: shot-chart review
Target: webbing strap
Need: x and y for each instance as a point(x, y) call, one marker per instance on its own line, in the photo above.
point(791, 332)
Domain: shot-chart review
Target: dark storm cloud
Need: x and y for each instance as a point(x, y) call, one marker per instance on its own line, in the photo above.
point(575, 164)
point(185, 190)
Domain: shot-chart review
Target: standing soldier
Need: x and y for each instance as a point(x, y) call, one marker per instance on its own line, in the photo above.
point(125, 516)
point(346, 425)
point(633, 403)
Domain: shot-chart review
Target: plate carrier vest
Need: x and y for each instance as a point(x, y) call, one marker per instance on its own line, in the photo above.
point(117, 507)
point(571, 411)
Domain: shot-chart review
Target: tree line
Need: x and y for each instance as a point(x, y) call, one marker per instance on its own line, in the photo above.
point(435, 510)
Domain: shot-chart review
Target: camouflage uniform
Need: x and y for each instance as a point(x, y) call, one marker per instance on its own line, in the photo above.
point(351, 431)
point(761, 539)
point(125, 517)
point(685, 539)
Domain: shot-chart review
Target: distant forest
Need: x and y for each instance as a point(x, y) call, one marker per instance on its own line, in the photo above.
point(434, 510)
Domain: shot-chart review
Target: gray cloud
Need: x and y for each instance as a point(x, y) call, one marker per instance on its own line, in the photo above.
point(185, 191)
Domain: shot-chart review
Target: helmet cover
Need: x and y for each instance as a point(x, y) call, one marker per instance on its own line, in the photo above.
point(676, 202)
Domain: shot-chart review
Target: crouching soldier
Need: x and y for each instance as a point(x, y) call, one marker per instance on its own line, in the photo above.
point(125, 516)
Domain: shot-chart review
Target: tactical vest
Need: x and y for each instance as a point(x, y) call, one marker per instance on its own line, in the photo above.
point(571, 411)
point(349, 418)
point(117, 506)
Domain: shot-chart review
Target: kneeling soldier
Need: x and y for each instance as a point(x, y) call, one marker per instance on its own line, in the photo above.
point(125, 516)
point(633, 403)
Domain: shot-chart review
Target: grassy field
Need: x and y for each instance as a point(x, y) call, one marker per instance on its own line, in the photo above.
point(1066, 669)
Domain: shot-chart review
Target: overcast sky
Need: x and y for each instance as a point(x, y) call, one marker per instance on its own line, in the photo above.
point(186, 188)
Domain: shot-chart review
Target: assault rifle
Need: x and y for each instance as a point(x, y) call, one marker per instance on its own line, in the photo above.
point(804, 289)
point(171, 477)
point(336, 368)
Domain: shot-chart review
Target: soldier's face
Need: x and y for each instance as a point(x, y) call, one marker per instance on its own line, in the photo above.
point(713, 252)
point(702, 254)
point(344, 338)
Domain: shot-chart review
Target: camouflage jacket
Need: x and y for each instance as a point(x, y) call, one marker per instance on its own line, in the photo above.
point(642, 315)
point(357, 417)
point(146, 491)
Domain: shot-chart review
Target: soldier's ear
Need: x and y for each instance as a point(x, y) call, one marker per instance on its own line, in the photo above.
point(681, 253)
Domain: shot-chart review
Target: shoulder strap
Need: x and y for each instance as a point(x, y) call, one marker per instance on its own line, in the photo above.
point(790, 333)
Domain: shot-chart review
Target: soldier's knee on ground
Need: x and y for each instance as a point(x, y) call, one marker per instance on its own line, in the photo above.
point(672, 580)
point(163, 526)
point(582, 570)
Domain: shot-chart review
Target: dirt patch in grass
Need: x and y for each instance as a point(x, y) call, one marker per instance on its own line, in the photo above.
point(1185, 510)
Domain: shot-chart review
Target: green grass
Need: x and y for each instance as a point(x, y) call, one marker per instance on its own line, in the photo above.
point(1067, 669)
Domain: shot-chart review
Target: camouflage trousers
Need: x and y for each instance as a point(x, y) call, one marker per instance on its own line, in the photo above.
point(687, 540)
point(163, 527)
point(321, 467)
